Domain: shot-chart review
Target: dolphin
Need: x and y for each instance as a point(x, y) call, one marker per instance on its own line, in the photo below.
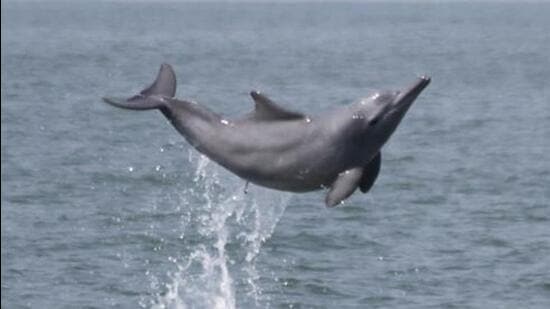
point(282, 149)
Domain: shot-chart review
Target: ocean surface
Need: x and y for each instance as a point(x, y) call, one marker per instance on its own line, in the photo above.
point(106, 208)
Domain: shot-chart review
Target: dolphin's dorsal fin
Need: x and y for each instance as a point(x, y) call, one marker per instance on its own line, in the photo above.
point(266, 109)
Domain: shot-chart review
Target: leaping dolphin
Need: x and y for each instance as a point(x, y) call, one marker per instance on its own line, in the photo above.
point(282, 149)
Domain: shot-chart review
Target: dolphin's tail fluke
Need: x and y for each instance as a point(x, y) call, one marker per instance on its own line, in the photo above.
point(152, 97)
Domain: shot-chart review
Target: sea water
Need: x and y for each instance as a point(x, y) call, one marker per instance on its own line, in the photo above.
point(105, 208)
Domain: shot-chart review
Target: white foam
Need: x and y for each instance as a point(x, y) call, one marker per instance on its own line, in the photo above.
point(207, 275)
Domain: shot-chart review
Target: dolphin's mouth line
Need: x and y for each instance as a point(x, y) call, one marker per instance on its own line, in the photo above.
point(407, 96)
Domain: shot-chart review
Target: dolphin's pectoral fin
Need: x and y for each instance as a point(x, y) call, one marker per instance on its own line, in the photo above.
point(347, 181)
point(344, 185)
point(370, 173)
point(266, 109)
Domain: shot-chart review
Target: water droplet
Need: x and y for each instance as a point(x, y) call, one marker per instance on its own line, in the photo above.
point(130, 169)
point(308, 120)
point(157, 168)
point(224, 122)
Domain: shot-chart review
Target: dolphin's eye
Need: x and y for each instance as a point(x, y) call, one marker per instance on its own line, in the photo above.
point(374, 121)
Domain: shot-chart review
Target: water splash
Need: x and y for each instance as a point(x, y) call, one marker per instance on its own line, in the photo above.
point(226, 228)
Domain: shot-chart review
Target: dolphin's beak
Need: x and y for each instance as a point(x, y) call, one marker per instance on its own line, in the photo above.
point(406, 97)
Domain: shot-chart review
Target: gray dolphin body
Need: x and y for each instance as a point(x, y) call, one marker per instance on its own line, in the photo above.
point(282, 149)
